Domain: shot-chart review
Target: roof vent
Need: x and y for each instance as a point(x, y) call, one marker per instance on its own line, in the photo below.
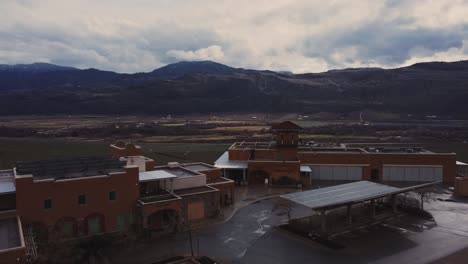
point(173, 164)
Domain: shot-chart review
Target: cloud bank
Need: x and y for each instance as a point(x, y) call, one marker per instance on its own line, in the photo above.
point(295, 35)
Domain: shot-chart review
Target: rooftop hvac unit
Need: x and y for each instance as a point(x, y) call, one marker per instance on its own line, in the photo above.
point(173, 164)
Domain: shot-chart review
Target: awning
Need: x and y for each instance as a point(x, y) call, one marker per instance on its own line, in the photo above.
point(305, 168)
point(341, 195)
point(155, 175)
point(459, 163)
point(224, 163)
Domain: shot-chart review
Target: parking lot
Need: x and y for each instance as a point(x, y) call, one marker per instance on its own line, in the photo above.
point(251, 236)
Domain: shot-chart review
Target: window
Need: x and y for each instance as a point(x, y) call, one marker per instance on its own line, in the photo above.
point(113, 195)
point(81, 199)
point(47, 203)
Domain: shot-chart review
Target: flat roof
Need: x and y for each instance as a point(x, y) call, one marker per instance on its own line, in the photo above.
point(341, 194)
point(198, 167)
point(9, 233)
point(7, 186)
point(225, 163)
point(387, 149)
point(155, 175)
point(70, 167)
point(251, 145)
point(7, 182)
point(179, 171)
point(6, 174)
point(330, 150)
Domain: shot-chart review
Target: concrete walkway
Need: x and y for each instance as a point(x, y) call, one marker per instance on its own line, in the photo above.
point(246, 195)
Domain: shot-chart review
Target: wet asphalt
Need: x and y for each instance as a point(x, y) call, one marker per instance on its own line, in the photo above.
point(251, 236)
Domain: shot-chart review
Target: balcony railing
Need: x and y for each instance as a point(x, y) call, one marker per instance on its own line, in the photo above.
point(160, 195)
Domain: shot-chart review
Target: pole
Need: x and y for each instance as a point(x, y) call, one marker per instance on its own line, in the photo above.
point(323, 220)
point(198, 246)
point(191, 243)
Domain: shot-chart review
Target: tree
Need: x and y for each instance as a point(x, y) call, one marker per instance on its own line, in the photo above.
point(426, 195)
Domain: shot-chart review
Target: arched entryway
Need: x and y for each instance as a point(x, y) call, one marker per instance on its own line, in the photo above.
point(66, 227)
point(164, 220)
point(94, 224)
point(258, 177)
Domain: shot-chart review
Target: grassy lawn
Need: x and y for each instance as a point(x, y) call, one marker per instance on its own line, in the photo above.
point(12, 150)
point(239, 128)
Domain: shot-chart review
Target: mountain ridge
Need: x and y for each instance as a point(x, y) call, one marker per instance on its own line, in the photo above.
point(437, 88)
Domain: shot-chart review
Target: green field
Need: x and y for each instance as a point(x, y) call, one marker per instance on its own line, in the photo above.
point(184, 152)
point(13, 149)
point(460, 148)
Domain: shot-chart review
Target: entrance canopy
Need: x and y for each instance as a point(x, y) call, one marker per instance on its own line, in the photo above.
point(155, 175)
point(224, 163)
point(341, 195)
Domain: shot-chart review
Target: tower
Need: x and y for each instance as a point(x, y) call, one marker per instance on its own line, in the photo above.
point(286, 134)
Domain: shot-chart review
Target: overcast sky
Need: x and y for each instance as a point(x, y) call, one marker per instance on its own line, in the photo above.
point(299, 36)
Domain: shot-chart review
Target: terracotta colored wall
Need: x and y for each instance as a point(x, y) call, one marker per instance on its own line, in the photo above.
point(150, 165)
point(212, 174)
point(271, 154)
point(266, 154)
point(225, 188)
point(239, 154)
point(210, 200)
point(12, 255)
point(287, 138)
point(64, 194)
point(377, 160)
point(276, 169)
point(461, 186)
point(195, 210)
point(151, 208)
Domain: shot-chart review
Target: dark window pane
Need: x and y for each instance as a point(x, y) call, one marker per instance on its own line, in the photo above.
point(81, 199)
point(113, 195)
point(47, 203)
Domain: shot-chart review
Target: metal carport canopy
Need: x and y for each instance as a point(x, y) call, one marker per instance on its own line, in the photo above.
point(342, 194)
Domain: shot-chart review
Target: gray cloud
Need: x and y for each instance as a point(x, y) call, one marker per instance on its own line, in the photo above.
point(301, 36)
point(384, 44)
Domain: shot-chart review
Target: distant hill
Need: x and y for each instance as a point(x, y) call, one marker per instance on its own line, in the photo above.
point(434, 88)
point(182, 68)
point(34, 68)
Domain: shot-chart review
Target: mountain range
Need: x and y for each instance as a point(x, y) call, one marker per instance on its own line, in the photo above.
point(433, 88)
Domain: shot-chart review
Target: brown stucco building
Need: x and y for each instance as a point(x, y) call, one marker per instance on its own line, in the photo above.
point(83, 197)
point(285, 161)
